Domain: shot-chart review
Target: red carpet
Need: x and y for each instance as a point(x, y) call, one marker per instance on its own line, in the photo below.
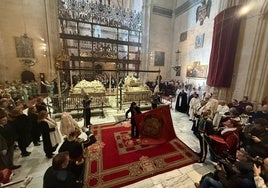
point(116, 160)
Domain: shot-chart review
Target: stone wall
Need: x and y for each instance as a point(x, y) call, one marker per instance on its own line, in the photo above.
point(186, 22)
point(38, 20)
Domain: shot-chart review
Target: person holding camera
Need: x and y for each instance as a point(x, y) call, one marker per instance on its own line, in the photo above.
point(261, 174)
point(228, 174)
point(256, 139)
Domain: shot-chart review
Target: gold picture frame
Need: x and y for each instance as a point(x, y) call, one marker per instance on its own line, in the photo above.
point(196, 70)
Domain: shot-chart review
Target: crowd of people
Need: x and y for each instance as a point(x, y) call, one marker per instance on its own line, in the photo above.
point(24, 123)
point(20, 92)
point(234, 134)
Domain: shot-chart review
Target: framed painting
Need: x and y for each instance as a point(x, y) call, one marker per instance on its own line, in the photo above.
point(24, 47)
point(199, 41)
point(196, 70)
point(183, 36)
point(159, 58)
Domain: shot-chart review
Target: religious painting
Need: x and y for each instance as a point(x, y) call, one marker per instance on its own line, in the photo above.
point(24, 47)
point(159, 58)
point(196, 70)
point(183, 36)
point(199, 40)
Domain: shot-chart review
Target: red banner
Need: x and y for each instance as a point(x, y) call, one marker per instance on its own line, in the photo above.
point(155, 126)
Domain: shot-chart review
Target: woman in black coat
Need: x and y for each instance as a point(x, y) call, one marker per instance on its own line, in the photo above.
point(35, 131)
point(7, 139)
point(45, 132)
point(23, 128)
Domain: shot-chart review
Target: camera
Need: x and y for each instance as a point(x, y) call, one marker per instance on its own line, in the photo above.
point(257, 160)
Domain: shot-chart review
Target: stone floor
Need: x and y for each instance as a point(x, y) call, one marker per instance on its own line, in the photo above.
point(36, 164)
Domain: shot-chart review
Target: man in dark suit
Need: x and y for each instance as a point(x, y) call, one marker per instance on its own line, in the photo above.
point(57, 175)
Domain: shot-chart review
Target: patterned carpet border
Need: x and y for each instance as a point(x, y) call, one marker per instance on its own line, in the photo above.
point(116, 160)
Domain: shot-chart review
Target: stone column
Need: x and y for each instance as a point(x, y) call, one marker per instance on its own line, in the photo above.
point(52, 35)
point(257, 77)
point(145, 54)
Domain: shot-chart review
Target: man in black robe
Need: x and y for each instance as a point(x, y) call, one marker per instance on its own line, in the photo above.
point(181, 103)
point(86, 111)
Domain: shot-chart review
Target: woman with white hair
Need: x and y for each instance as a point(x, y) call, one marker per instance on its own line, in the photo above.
point(75, 144)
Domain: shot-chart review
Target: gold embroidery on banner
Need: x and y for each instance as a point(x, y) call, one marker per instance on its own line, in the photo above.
point(152, 126)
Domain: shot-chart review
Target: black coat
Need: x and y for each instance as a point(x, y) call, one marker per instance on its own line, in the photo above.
point(35, 131)
point(238, 174)
point(133, 112)
point(59, 178)
point(45, 130)
point(23, 128)
point(8, 132)
point(86, 112)
point(181, 103)
point(75, 150)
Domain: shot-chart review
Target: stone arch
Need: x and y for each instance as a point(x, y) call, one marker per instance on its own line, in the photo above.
point(27, 76)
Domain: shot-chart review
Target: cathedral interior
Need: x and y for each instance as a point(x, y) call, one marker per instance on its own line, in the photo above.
point(120, 51)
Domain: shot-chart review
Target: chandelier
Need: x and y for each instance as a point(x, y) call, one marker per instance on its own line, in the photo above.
point(97, 12)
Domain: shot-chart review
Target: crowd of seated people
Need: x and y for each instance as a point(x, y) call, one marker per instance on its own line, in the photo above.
point(224, 130)
point(235, 135)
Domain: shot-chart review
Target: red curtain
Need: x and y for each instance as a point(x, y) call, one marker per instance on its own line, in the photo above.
point(224, 44)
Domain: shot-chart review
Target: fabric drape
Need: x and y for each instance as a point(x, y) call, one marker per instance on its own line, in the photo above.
point(224, 45)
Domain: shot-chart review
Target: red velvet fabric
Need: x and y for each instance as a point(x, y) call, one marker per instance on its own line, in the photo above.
point(224, 45)
point(157, 121)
